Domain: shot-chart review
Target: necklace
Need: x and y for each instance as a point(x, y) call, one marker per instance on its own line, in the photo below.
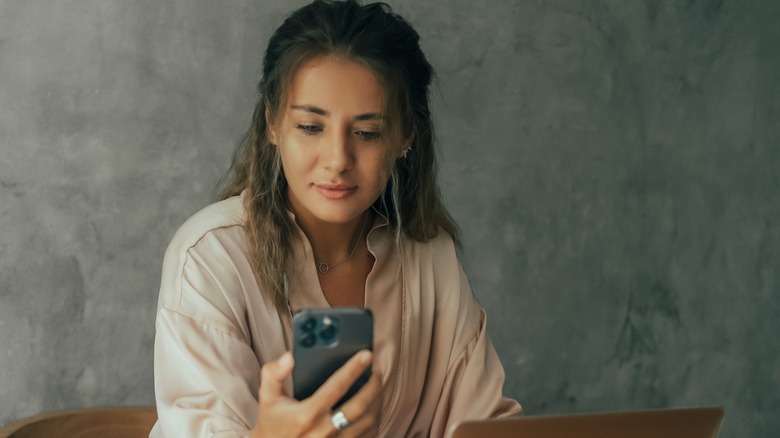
point(323, 267)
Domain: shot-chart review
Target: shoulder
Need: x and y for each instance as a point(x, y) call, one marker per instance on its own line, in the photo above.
point(444, 244)
point(206, 256)
point(437, 262)
point(216, 218)
point(438, 256)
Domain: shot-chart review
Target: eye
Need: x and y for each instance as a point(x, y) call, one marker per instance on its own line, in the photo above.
point(368, 135)
point(309, 129)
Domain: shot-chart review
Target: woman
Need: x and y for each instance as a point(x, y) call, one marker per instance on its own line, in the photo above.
point(331, 201)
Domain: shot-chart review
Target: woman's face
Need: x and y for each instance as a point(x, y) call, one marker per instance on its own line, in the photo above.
point(335, 158)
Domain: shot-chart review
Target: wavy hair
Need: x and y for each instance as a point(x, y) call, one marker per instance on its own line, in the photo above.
point(375, 36)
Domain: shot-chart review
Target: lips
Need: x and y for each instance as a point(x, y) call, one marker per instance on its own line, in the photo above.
point(335, 191)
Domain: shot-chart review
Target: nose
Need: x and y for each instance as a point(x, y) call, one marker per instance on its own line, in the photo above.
point(337, 153)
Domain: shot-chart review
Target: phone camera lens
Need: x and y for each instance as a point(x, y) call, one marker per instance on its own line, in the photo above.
point(328, 332)
point(309, 324)
point(308, 340)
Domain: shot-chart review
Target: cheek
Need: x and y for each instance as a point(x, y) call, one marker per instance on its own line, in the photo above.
point(384, 171)
point(294, 158)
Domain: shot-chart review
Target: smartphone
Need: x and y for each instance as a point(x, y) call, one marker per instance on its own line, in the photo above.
point(324, 339)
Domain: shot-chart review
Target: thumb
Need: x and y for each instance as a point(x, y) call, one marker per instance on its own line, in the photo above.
point(272, 377)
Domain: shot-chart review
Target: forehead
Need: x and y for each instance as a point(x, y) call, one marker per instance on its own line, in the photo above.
point(337, 85)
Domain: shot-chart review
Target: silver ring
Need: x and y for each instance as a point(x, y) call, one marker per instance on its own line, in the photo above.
point(339, 420)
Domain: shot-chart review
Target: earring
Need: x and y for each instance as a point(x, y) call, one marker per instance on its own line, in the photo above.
point(406, 151)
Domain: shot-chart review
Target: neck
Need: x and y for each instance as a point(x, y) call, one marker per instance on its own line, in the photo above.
point(332, 243)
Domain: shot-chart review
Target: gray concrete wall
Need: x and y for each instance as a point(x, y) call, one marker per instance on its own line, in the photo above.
point(613, 166)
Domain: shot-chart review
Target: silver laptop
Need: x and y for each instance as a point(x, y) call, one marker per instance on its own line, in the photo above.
point(703, 422)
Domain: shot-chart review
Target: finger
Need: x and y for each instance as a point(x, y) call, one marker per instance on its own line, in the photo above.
point(363, 427)
point(339, 383)
point(364, 398)
point(272, 377)
point(364, 409)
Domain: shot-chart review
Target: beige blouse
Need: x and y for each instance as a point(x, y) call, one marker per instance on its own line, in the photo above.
point(215, 329)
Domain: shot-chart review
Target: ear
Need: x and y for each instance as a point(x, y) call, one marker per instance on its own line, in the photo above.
point(270, 126)
point(405, 147)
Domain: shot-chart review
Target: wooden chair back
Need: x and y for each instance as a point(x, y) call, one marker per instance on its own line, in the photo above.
point(121, 422)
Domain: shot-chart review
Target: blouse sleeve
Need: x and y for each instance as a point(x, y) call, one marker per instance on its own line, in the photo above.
point(203, 384)
point(206, 375)
point(473, 386)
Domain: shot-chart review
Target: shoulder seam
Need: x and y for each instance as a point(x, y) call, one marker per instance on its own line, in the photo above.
point(187, 257)
point(208, 231)
point(473, 339)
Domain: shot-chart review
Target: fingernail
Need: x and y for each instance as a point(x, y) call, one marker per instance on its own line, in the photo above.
point(286, 360)
point(365, 357)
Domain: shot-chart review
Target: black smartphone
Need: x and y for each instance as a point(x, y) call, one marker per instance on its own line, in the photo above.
point(324, 339)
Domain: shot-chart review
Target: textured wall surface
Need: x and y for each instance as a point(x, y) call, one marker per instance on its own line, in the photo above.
point(613, 166)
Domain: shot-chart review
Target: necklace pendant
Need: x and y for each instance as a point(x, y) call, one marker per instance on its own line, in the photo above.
point(323, 267)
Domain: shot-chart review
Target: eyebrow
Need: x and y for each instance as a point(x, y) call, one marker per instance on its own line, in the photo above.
point(319, 111)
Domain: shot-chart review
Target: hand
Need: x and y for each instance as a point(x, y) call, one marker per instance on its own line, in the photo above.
point(279, 415)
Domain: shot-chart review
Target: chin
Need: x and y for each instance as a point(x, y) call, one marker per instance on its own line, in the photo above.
point(337, 218)
point(339, 215)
